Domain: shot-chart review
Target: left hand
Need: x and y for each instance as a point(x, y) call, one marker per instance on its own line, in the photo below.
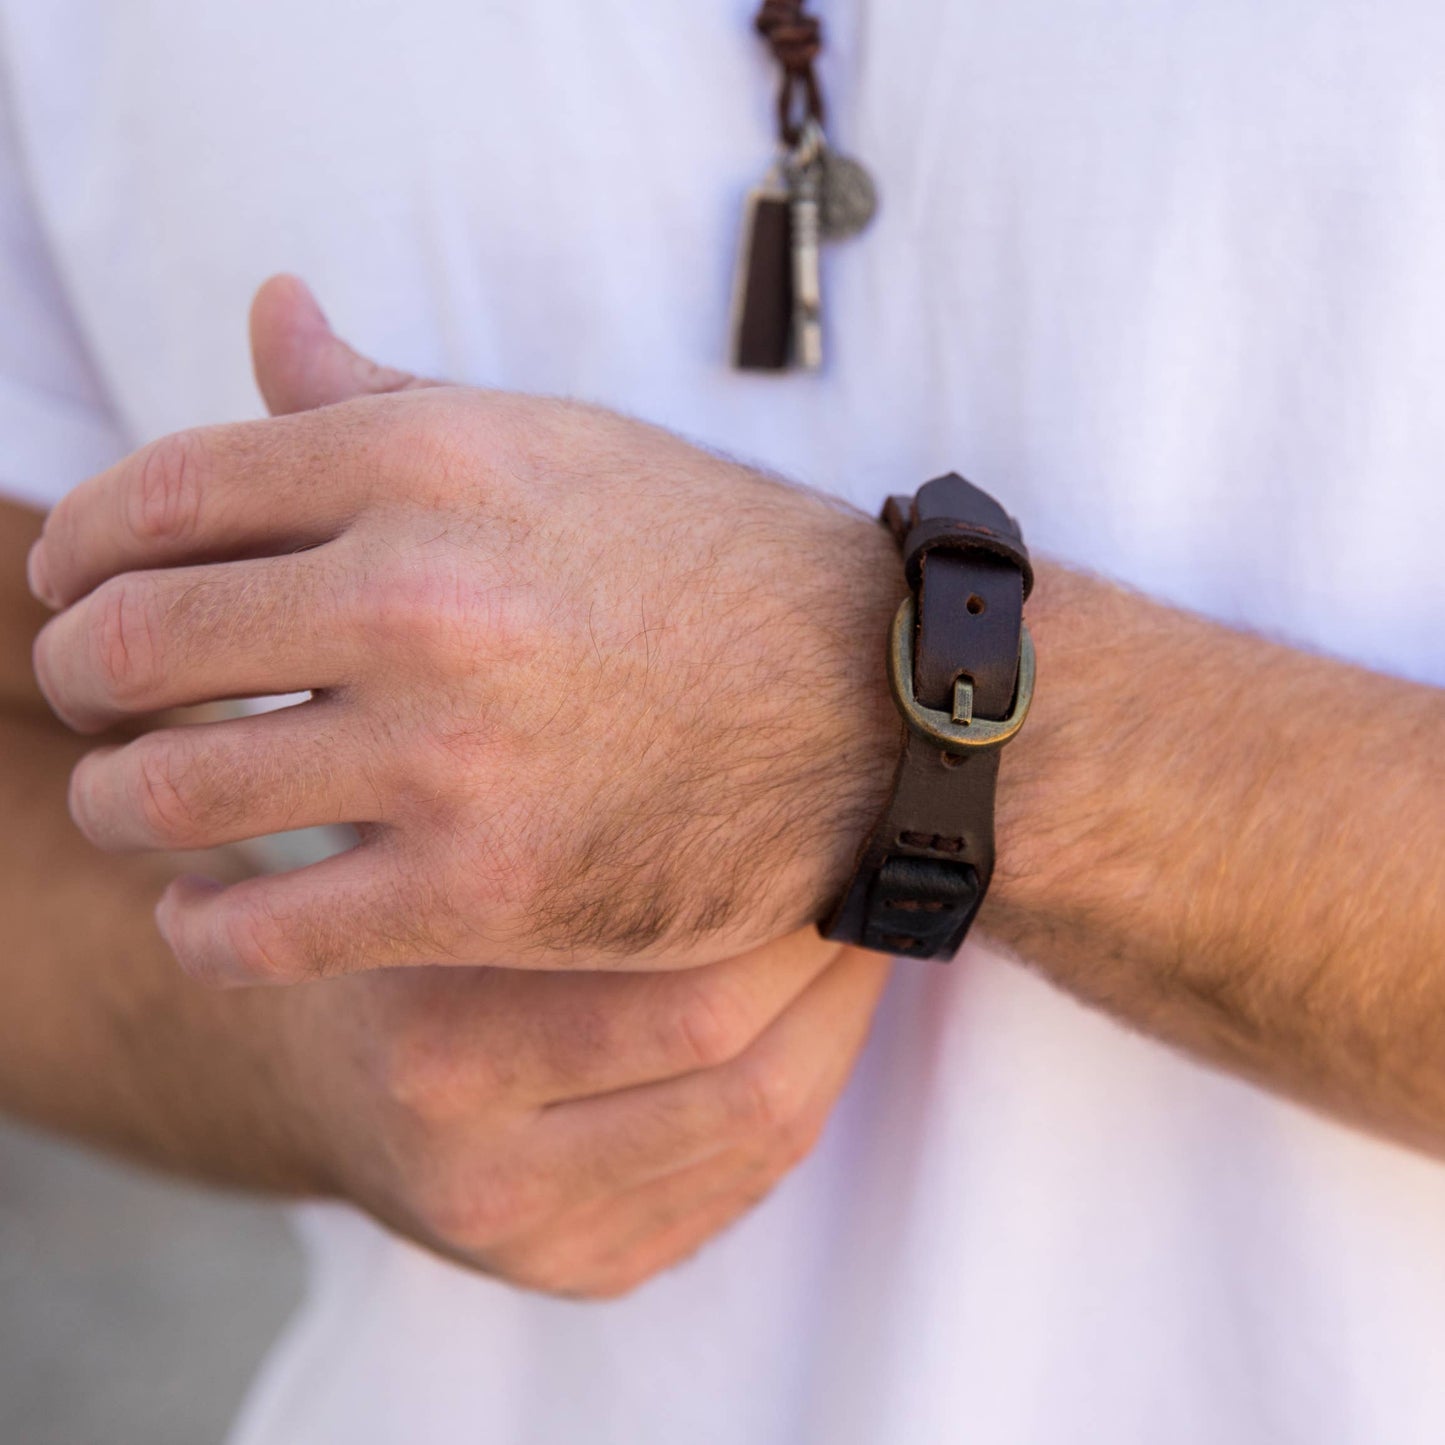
point(590, 693)
point(574, 1133)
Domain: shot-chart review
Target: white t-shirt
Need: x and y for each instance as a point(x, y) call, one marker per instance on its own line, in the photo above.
point(1169, 279)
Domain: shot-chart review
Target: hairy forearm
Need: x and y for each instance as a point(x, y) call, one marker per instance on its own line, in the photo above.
point(1234, 846)
point(101, 1036)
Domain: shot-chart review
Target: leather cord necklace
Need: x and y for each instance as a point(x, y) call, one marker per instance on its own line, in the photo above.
point(811, 195)
point(796, 40)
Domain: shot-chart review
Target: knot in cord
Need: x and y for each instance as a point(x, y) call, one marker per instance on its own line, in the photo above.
point(796, 40)
point(795, 36)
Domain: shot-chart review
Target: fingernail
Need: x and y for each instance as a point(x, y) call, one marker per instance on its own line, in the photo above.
point(38, 576)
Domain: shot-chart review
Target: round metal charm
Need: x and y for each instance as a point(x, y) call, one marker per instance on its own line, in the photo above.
point(847, 199)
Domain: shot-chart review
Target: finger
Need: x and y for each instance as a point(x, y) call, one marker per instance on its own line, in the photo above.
point(301, 363)
point(227, 490)
point(153, 640)
point(546, 1038)
point(601, 1148)
point(216, 783)
point(623, 1269)
point(211, 494)
point(609, 1245)
point(589, 1250)
point(306, 924)
point(364, 909)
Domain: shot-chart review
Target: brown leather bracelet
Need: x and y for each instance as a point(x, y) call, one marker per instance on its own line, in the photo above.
point(961, 668)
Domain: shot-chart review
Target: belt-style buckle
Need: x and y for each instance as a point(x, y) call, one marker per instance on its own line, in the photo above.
point(959, 731)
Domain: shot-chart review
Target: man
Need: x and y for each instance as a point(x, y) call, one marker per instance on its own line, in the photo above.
point(1165, 282)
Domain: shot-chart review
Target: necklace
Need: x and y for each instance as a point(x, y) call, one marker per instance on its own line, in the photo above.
point(811, 194)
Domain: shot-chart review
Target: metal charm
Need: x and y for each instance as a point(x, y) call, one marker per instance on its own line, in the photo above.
point(807, 283)
point(847, 199)
point(811, 196)
point(762, 311)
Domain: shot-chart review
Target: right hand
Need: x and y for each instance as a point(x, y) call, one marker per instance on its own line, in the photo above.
point(571, 1133)
point(591, 695)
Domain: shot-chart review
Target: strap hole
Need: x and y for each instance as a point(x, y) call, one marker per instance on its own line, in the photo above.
point(900, 941)
point(933, 842)
point(976, 605)
point(952, 760)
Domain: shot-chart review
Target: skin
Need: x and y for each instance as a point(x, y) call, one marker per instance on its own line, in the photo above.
point(573, 725)
point(574, 1133)
point(479, 567)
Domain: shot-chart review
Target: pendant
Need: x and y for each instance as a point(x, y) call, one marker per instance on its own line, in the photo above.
point(813, 195)
point(807, 186)
point(848, 199)
point(763, 288)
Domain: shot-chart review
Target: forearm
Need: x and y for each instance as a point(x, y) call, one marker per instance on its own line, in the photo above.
point(1236, 847)
point(616, 706)
point(101, 1035)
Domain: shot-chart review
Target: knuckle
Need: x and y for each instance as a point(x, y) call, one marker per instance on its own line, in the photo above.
point(476, 1214)
point(794, 1142)
point(427, 434)
point(415, 613)
point(450, 604)
point(420, 1073)
point(552, 1265)
point(712, 1024)
point(767, 1094)
point(265, 949)
point(166, 808)
point(125, 642)
point(164, 504)
point(471, 873)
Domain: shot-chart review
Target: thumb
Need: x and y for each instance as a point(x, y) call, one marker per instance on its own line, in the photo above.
point(301, 363)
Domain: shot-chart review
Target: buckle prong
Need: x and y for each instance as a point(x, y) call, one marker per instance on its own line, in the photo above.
point(963, 701)
point(956, 734)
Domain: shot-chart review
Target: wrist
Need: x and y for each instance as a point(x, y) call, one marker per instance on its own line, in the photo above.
point(859, 736)
point(301, 1083)
point(1049, 863)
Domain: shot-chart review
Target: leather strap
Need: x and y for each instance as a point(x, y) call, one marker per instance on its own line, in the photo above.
point(924, 870)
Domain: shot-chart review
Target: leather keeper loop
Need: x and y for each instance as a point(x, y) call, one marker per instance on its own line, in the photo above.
point(918, 535)
point(943, 535)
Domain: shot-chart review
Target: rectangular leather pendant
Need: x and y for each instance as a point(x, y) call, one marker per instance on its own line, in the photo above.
point(763, 291)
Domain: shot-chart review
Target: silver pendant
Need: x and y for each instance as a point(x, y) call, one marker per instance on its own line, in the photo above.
point(813, 195)
point(807, 289)
point(847, 197)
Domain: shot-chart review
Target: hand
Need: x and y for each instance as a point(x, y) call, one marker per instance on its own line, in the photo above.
point(590, 694)
point(574, 1134)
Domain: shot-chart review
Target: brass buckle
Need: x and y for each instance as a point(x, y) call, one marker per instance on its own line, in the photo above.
point(958, 731)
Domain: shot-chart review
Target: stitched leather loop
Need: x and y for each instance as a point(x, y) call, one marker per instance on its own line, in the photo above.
point(948, 534)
